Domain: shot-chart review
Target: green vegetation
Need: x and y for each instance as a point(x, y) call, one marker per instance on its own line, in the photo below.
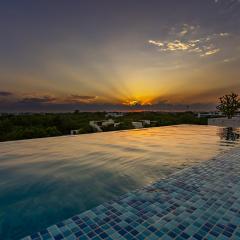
point(27, 126)
point(229, 104)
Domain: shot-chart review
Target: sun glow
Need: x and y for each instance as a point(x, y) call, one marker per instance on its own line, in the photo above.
point(132, 103)
point(135, 102)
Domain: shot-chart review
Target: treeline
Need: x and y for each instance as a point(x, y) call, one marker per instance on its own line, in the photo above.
point(27, 126)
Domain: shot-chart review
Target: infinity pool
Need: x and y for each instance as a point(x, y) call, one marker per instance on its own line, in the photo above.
point(43, 181)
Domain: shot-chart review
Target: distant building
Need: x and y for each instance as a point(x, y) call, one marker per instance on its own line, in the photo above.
point(145, 122)
point(108, 122)
point(115, 114)
point(225, 122)
point(137, 124)
point(74, 132)
point(117, 124)
point(97, 125)
point(209, 114)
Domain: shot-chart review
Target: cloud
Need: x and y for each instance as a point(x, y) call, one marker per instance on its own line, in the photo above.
point(211, 52)
point(44, 99)
point(66, 107)
point(227, 60)
point(224, 34)
point(195, 46)
point(175, 45)
point(80, 99)
point(186, 29)
point(159, 44)
point(48, 103)
point(184, 40)
point(5, 94)
point(36, 99)
point(231, 4)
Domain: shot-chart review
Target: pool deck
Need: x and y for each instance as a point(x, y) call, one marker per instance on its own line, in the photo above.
point(200, 202)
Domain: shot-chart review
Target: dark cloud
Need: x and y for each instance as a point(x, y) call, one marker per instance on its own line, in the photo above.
point(40, 106)
point(44, 99)
point(46, 103)
point(5, 94)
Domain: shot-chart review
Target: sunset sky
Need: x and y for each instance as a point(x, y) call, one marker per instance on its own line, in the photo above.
point(60, 55)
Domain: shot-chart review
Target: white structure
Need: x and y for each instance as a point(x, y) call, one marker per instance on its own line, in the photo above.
point(145, 122)
point(225, 122)
point(74, 132)
point(137, 124)
point(209, 114)
point(114, 114)
point(105, 123)
point(94, 125)
point(142, 123)
point(117, 124)
point(108, 122)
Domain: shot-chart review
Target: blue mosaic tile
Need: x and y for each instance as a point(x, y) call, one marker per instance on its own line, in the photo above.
point(201, 202)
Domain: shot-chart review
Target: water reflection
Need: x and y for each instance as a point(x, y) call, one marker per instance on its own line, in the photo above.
point(229, 134)
point(44, 181)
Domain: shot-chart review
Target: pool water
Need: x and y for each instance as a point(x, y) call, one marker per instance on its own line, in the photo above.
point(44, 181)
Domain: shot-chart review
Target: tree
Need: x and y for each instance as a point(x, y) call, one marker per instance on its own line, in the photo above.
point(229, 104)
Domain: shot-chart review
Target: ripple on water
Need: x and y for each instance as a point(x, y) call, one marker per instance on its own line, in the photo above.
point(43, 181)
